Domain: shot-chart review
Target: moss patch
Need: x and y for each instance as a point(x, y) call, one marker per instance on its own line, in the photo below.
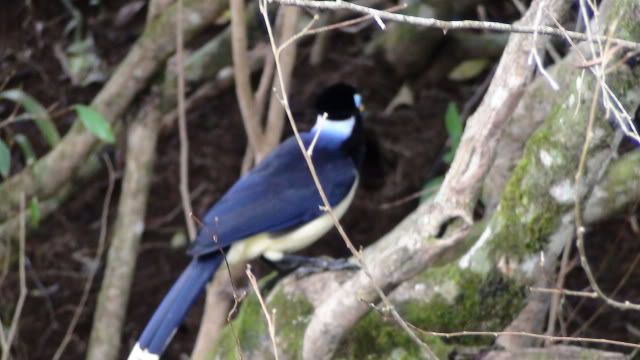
point(248, 328)
point(293, 313)
point(485, 303)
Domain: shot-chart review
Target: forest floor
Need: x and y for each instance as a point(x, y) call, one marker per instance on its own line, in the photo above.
point(408, 143)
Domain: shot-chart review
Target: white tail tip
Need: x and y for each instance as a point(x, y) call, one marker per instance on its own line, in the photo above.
point(139, 354)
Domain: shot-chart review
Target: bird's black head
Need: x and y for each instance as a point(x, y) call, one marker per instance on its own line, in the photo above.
point(343, 123)
point(340, 101)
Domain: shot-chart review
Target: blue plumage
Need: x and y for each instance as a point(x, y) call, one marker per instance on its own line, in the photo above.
point(175, 305)
point(276, 196)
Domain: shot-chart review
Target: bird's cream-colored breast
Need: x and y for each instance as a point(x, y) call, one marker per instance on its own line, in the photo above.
point(273, 246)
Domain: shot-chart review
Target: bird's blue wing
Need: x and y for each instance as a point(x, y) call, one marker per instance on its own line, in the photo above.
point(276, 195)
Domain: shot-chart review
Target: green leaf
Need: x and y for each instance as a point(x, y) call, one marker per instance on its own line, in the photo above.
point(448, 156)
point(468, 69)
point(95, 123)
point(5, 159)
point(38, 112)
point(26, 148)
point(34, 208)
point(453, 123)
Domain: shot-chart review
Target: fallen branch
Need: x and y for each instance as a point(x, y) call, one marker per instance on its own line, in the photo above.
point(182, 127)
point(104, 223)
point(244, 92)
point(110, 311)
point(453, 25)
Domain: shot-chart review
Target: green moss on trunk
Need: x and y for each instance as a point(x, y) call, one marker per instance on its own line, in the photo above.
point(460, 300)
point(292, 314)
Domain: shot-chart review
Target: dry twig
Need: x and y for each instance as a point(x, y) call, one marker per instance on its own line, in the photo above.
point(451, 25)
point(242, 74)
point(265, 311)
point(580, 229)
point(6, 340)
point(182, 126)
point(527, 334)
point(104, 222)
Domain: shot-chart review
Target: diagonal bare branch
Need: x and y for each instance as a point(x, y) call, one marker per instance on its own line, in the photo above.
point(452, 25)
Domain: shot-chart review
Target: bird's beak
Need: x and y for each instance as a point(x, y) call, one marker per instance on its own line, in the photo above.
point(361, 108)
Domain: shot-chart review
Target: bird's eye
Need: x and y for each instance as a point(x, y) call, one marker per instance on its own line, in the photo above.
point(357, 98)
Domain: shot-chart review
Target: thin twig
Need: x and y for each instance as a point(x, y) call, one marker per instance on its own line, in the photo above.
point(327, 206)
point(285, 58)
point(535, 56)
point(242, 73)
point(610, 101)
point(580, 230)
point(182, 125)
point(237, 299)
point(266, 79)
point(308, 31)
point(7, 339)
point(104, 221)
point(563, 292)
point(451, 25)
point(270, 325)
point(615, 291)
point(527, 334)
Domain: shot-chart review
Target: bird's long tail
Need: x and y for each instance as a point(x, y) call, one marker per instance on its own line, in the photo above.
point(174, 307)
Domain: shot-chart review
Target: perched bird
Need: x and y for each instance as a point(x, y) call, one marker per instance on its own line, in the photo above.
point(272, 210)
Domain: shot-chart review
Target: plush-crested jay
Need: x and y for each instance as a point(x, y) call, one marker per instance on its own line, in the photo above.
point(272, 210)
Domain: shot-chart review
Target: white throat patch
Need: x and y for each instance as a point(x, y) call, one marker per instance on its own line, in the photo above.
point(334, 129)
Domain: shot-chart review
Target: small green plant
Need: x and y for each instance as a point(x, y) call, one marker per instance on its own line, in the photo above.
point(26, 148)
point(95, 123)
point(36, 112)
point(34, 209)
point(454, 125)
point(92, 120)
point(5, 159)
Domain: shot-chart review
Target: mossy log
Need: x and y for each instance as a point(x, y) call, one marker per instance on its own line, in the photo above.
point(486, 287)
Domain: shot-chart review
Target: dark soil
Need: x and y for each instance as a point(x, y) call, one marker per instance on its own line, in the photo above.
point(404, 150)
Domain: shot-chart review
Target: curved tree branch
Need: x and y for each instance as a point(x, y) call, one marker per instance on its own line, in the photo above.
point(401, 255)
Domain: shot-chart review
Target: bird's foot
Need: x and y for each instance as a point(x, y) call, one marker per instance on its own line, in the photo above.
point(306, 265)
point(312, 265)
